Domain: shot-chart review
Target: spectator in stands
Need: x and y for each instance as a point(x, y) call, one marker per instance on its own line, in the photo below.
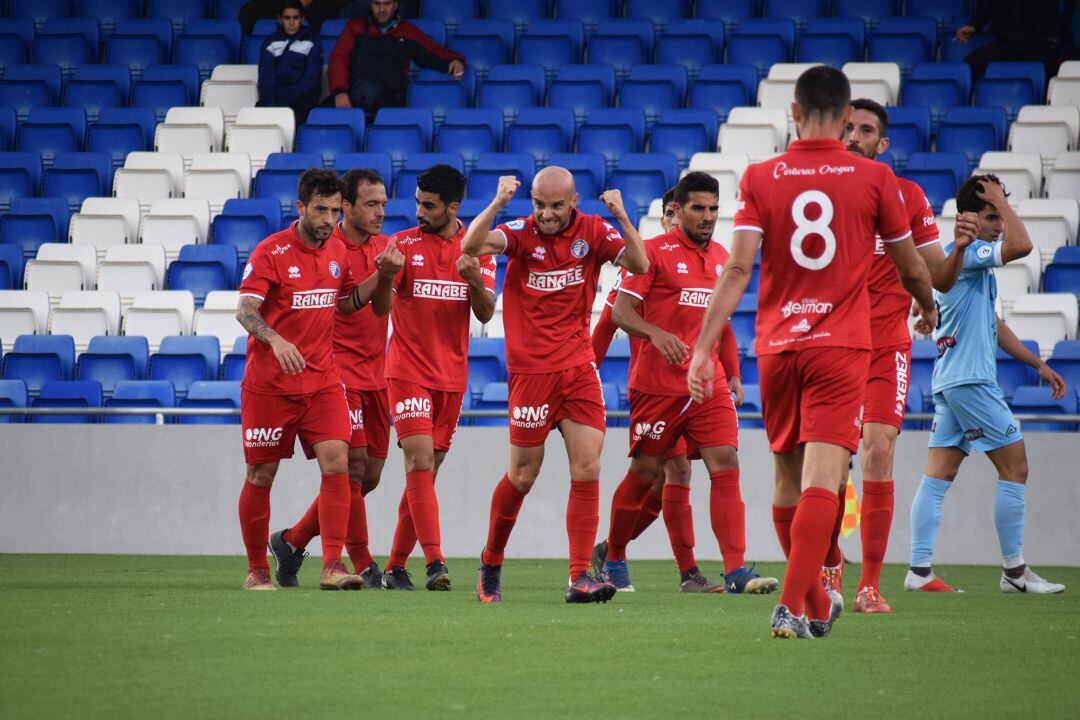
point(359, 8)
point(315, 11)
point(369, 67)
point(1034, 30)
point(290, 64)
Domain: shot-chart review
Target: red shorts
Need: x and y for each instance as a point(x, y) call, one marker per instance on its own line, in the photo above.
point(418, 410)
point(679, 448)
point(658, 423)
point(887, 386)
point(538, 402)
point(369, 415)
point(270, 423)
point(813, 395)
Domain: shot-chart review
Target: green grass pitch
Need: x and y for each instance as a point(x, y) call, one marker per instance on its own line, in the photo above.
point(126, 636)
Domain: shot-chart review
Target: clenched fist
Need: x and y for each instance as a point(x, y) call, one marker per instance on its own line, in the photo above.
point(508, 185)
point(468, 268)
point(612, 200)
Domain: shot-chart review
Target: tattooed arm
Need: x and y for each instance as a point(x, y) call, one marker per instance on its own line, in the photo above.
point(247, 314)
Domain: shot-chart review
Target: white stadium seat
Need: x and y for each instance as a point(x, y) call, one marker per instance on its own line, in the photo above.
point(211, 117)
point(84, 255)
point(149, 176)
point(217, 177)
point(158, 314)
point(776, 94)
point(130, 269)
point(878, 81)
point(218, 317)
point(230, 95)
point(758, 132)
point(105, 221)
point(649, 226)
point(1045, 318)
point(1069, 69)
point(1064, 180)
point(190, 131)
point(788, 71)
point(60, 268)
point(22, 312)
point(175, 223)
point(260, 132)
point(82, 315)
point(1019, 277)
point(1064, 91)
point(1048, 131)
point(727, 168)
point(235, 72)
point(127, 208)
point(1050, 223)
point(1022, 173)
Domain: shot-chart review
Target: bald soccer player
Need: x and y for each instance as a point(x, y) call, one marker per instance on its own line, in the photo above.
point(554, 258)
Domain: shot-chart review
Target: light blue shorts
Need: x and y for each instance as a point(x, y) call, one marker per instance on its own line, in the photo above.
point(967, 416)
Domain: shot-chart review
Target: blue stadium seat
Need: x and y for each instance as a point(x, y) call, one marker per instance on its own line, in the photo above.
point(972, 131)
point(723, 87)
point(489, 27)
point(204, 52)
point(279, 185)
point(242, 233)
point(691, 52)
point(108, 13)
point(903, 40)
point(337, 127)
point(25, 87)
point(937, 87)
point(39, 10)
point(956, 52)
point(159, 96)
point(651, 96)
point(380, 162)
point(67, 43)
point(920, 380)
point(50, 131)
point(541, 132)
point(325, 141)
point(520, 12)
point(1012, 373)
point(439, 96)
point(518, 85)
point(683, 132)
point(582, 97)
point(486, 363)
point(401, 131)
point(551, 44)
point(730, 13)
point(909, 132)
point(871, 12)
point(7, 129)
point(1038, 400)
point(959, 73)
point(400, 215)
point(184, 359)
point(833, 41)
point(658, 12)
point(800, 11)
point(742, 322)
point(783, 28)
point(140, 394)
point(494, 397)
point(11, 266)
point(942, 11)
point(77, 176)
point(1060, 277)
point(226, 28)
point(20, 177)
point(37, 358)
point(590, 206)
point(85, 27)
point(199, 278)
point(451, 12)
point(177, 12)
point(211, 394)
point(1009, 93)
point(67, 394)
point(588, 168)
point(112, 359)
point(674, 75)
point(185, 74)
point(223, 256)
point(938, 174)
point(613, 133)
point(482, 51)
point(642, 177)
point(621, 52)
point(232, 365)
point(467, 213)
point(119, 131)
point(18, 27)
point(32, 222)
point(1065, 360)
point(139, 43)
point(751, 404)
point(600, 74)
point(615, 367)
point(434, 28)
point(761, 51)
point(255, 207)
point(697, 27)
point(96, 87)
point(471, 132)
point(588, 14)
point(485, 176)
point(405, 187)
point(12, 50)
point(1031, 74)
point(12, 395)
point(748, 369)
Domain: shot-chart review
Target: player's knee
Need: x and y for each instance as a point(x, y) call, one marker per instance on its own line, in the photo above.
point(523, 477)
point(727, 458)
point(676, 473)
point(1017, 471)
point(878, 456)
point(261, 475)
point(586, 470)
point(419, 461)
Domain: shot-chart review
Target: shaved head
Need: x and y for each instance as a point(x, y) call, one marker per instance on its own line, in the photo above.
point(554, 199)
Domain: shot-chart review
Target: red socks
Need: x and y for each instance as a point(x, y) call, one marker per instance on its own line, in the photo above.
point(650, 510)
point(625, 509)
point(404, 535)
point(814, 519)
point(679, 519)
point(782, 517)
point(505, 504)
point(877, 512)
point(582, 518)
point(356, 537)
point(834, 557)
point(333, 504)
point(255, 524)
point(728, 515)
point(424, 508)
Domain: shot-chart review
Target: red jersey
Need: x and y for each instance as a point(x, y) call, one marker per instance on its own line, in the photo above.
point(299, 287)
point(549, 288)
point(430, 342)
point(890, 303)
point(674, 294)
point(818, 208)
point(360, 338)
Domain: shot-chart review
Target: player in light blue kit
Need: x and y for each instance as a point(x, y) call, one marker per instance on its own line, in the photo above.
point(970, 409)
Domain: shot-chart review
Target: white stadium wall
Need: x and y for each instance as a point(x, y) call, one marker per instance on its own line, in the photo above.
point(173, 490)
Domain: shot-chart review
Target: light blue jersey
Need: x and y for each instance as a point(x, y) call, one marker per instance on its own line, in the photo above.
point(966, 335)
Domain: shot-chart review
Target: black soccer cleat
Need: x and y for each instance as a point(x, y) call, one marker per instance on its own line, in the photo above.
point(489, 583)
point(784, 625)
point(372, 576)
point(397, 578)
point(287, 560)
point(599, 555)
point(438, 576)
point(822, 628)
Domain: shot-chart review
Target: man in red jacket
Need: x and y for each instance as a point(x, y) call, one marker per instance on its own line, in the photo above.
point(369, 66)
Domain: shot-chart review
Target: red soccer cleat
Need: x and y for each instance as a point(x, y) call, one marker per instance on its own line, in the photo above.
point(258, 580)
point(868, 600)
point(930, 583)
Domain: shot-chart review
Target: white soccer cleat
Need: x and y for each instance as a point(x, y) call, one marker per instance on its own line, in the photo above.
point(1029, 582)
point(930, 583)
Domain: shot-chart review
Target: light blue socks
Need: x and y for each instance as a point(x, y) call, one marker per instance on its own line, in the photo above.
point(1009, 510)
point(926, 518)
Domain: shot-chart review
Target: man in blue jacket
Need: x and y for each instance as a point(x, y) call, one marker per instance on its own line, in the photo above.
point(290, 64)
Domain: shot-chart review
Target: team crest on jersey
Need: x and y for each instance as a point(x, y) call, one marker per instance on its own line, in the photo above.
point(294, 272)
point(518, 224)
point(335, 269)
point(579, 249)
point(247, 271)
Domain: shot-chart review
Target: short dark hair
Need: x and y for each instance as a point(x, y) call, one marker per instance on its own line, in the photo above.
point(967, 198)
point(354, 179)
point(668, 198)
point(822, 90)
point(695, 181)
point(291, 5)
point(443, 180)
point(317, 182)
point(875, 107)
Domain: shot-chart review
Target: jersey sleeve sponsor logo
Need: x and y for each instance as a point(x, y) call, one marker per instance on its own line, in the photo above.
point(530, 416)
point(314, 299)
point(440, 290)
point(518, 224)
point(984, 252)
point(695, 297)
point(247, 271)
point(579, 249)
point(806, 306)
point(335, 269)
point(556, 280)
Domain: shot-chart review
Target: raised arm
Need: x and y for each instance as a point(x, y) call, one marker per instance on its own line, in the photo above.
point(626, 316)
point(945, 270)
point(1011, 344)
point(633, 257)
point(249, 317)
point(1017, 242)
point(479, 239)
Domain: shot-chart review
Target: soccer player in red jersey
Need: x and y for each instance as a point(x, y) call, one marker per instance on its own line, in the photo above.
point(427, 361)
point(813, 211)
point(554, 258)
point(664, 307)
point(360, 351)
point(890, 339)
point(293, 286)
